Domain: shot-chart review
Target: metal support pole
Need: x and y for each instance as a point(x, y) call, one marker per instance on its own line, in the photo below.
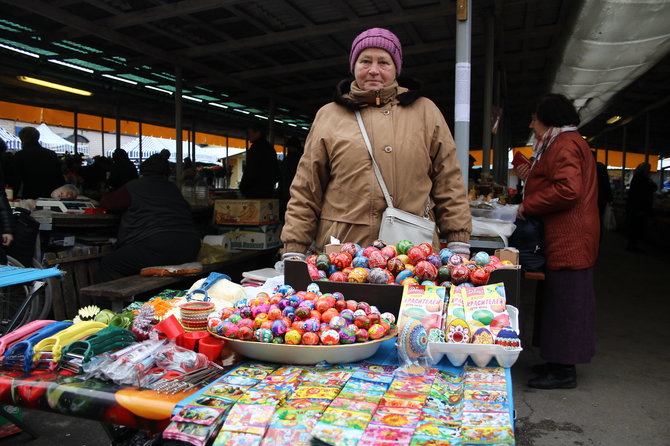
point(647, 127)
point(462, 87)
point(177, 120)
point(271, 124)
point(76, 131)
point(140, 149)
point(488, 97)
point(623, 161)
point(118, 130)
point(102, 133)
point(227, 183)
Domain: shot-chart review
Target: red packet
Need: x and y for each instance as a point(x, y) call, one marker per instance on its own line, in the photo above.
point(520, 159)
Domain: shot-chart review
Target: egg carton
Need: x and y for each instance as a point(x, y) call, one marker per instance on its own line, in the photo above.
point(480, 354)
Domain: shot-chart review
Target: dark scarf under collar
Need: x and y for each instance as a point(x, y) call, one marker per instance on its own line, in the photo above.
point(355, 99)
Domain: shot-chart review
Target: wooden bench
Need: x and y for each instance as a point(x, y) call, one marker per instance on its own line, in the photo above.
point(80, 267)
point(126, 289)
point(533, 275)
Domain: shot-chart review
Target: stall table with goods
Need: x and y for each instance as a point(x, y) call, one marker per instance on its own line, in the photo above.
point(307, 363)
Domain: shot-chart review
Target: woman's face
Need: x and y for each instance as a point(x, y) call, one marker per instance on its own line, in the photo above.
point(538, 127)
point(374, 69)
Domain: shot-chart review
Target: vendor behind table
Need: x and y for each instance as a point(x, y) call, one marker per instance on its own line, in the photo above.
point(335, 192)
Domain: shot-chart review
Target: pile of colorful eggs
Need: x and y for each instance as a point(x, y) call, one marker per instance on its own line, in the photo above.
point(401, 264)
point(303, 317)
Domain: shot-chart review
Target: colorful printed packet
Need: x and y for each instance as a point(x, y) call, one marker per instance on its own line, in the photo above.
point(248, 418)
point(229, 438)
point(198, 414)
point(196, 434)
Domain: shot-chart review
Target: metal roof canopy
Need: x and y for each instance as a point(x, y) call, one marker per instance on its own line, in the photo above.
point(280, 59)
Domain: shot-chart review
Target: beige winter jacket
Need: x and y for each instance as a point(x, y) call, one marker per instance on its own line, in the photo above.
point(335, 192)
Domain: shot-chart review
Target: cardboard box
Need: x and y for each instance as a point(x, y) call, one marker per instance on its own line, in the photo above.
point(384, 297)
point(246, 212)
point(252, 237)
point(511, 254)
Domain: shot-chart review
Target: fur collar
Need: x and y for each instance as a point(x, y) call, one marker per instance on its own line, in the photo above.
point(404, 99)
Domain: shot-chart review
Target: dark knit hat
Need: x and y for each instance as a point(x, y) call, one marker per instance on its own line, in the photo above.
point(377, 38)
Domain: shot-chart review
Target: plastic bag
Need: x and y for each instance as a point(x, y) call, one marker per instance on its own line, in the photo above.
point(489, 227)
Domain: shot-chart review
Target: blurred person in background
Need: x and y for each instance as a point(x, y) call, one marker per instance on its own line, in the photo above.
point(156, 226)
point(122, 170)
point(639, 206)
point(36, 170)
point(288, 168)
point(261, 171)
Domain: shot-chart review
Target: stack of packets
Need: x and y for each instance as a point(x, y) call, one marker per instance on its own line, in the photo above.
point(486, 412)
point(360, 404)
point(477, 315)
point(427, 304)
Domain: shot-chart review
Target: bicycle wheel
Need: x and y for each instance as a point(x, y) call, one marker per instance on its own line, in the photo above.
point(11, 298)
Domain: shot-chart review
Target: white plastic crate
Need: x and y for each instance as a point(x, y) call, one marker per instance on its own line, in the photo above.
point(479, 353)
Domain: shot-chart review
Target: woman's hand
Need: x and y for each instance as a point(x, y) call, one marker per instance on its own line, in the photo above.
point(523, 171)
point(7, 239)
point(520, 212)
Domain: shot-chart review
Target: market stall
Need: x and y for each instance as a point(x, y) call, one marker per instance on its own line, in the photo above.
point(423, 361)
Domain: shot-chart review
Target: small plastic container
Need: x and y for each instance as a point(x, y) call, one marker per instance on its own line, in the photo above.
point(211, 347)
point(191, 339)
point(480, 354)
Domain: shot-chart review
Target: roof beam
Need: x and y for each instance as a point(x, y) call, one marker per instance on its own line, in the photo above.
point(321, 30)
point(54, 13)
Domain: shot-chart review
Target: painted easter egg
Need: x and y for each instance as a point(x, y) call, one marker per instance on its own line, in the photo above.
point(378, 275)
point(479, 276)
point(263, 335)
point(376, 260)
point(403, 246)
point(376, 331)
point(337, 323)
point(362, 335)
point(310, 338)
point(413, 339)
point(285, 290)
point(292, 337)
point(322, 262)
point(279, 327)
point(455, 259)
point(481, 258)
point(508, 339)
point(349, 248)
point(434, 259)
point(342, 260)
point(425, 270)
point(338, 276)
point(312, 325)
point(358, 275)
point(245, 333)
point(445, 253)
point(402, 275)
point(388, 317)
point(416, 254)
point(459, 273)
point(347, 335)
point(458, 331)
point(330, 337)
point(388, 252)
point(482, 336)
point(347, 315)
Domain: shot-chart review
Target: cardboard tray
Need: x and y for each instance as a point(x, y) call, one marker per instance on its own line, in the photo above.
point(384, 297)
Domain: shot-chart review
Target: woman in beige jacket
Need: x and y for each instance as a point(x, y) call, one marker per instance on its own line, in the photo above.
point(335, 191)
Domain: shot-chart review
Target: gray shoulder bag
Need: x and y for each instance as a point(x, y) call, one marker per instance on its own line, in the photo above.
point(396, 224)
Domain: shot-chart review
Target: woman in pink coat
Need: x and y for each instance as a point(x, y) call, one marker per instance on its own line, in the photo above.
point(562, 191)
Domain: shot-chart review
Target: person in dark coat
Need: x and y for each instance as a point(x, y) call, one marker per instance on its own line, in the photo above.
point(288, 168)
point(604, 192)
point(122, 171)
point(639, 206)
point(6, 230)
point(156, 226)
point(36, 170)
point(261, 172)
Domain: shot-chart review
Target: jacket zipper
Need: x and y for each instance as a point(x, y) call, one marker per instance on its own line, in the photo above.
point(378, 99)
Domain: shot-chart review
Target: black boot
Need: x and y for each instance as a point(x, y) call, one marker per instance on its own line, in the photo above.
point(555, 376)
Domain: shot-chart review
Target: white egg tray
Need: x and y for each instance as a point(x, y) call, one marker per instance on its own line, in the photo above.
point(479, 353)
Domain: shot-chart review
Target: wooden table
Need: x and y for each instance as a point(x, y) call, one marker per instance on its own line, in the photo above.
point(127, 289)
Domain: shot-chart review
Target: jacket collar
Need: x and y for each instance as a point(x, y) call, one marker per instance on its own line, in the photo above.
point(353, 98)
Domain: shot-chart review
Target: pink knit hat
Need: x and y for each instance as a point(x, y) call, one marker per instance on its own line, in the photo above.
point(377, 38)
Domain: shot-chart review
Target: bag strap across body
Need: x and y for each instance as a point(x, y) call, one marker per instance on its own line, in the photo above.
point(375, 167)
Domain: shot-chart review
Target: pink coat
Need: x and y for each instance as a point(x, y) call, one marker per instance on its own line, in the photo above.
point(562, 190)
